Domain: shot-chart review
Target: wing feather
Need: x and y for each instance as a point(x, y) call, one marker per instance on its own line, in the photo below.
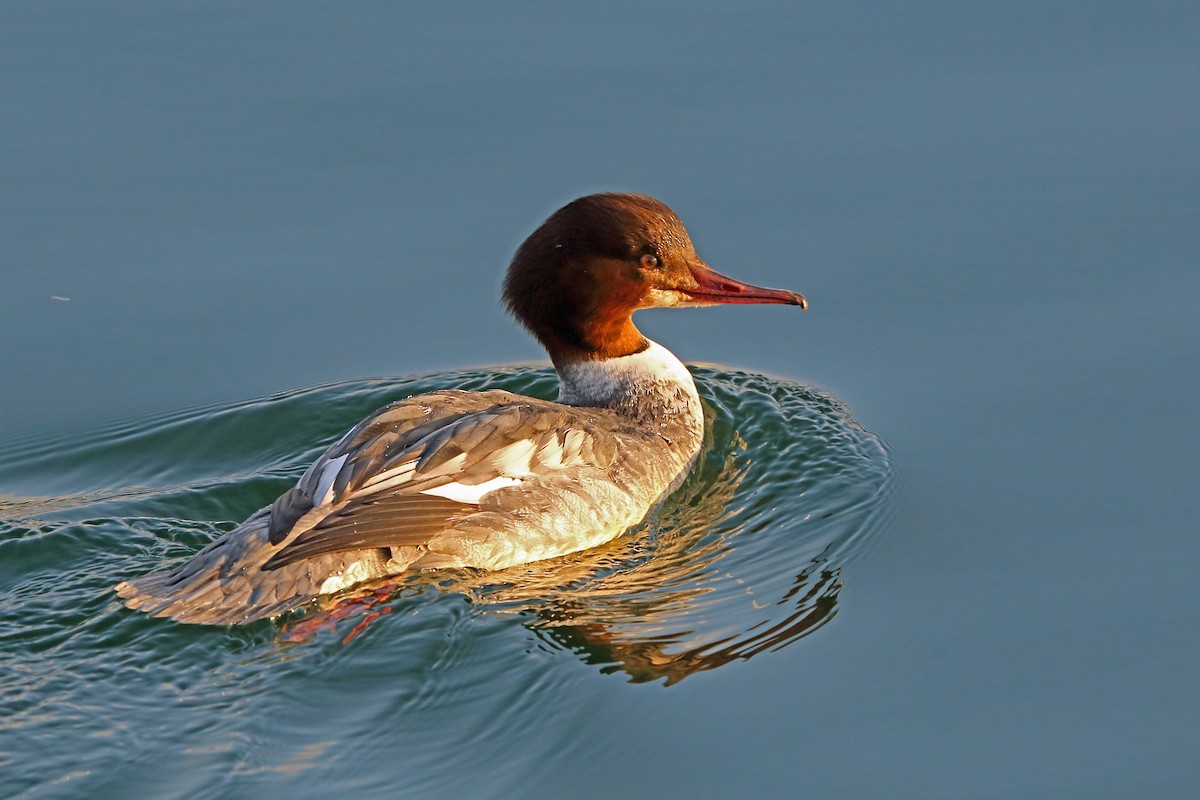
point(401, 477)
point(396, 520)
point(379, 442)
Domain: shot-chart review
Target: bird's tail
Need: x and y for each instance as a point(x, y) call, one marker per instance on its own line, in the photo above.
point(209, 589)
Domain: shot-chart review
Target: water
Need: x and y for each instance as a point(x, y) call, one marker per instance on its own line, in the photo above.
point(991, 210)
point(746, 558)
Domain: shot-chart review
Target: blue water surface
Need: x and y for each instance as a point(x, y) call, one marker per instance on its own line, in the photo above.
point(945, 549)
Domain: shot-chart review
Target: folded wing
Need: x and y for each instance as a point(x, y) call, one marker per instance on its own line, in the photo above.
point(399, 478)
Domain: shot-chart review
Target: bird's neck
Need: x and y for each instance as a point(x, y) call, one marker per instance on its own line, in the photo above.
point(651, 381)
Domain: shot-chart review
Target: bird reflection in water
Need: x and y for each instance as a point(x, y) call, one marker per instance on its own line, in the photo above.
point(641, 650)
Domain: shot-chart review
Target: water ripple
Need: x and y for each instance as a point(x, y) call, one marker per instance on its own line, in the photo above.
point(749, 556)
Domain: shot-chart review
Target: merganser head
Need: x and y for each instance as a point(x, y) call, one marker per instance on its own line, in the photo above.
point(576, 281)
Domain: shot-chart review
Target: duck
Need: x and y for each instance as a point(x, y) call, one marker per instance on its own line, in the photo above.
point(488, 480)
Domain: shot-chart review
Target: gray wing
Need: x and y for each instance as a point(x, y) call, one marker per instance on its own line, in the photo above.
point(372, 447)
point(418, 467)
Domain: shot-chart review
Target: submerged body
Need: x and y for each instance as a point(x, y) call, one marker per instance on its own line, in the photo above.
point(491, 479)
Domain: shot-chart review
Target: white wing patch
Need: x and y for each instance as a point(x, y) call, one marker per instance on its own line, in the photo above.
point(515, 462)
point(471, 495)
point(329, 473)
point(515, 459)
point(388, 479)
point(561, 456)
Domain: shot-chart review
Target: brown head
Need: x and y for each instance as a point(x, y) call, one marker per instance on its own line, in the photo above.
point(576, 281)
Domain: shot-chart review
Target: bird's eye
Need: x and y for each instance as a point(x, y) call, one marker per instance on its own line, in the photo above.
point(650, 261)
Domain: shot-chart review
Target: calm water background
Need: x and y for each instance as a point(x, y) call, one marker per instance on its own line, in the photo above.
point(994, 212)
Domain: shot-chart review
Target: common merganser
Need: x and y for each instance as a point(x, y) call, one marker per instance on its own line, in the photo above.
point(492, 479)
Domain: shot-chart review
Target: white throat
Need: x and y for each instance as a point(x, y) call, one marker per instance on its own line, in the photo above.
point(617, 381)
